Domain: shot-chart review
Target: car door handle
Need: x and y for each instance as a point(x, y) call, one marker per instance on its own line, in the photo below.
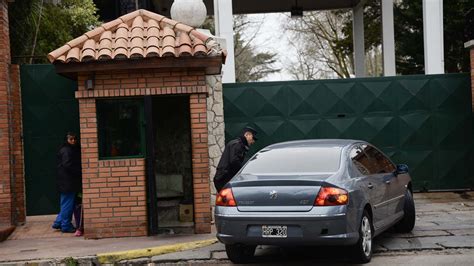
point(388, 182)
point(370, 186)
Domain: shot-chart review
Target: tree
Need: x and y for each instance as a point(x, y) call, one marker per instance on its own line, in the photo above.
point(37, 27)
point(318, 37)
point(324, 46)
point(250, 64)
point(336, 51)
point(409, 47)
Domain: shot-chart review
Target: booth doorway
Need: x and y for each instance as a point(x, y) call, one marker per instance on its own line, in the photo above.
point(172, 164)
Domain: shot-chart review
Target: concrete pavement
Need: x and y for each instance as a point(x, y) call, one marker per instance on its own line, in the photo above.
point(445, 225)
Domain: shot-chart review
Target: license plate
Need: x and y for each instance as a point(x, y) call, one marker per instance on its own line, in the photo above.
point(280, 231)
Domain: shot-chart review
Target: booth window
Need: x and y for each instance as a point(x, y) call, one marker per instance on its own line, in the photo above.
point(121, 128)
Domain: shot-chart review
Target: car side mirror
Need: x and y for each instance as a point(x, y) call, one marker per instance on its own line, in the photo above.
point(401, 169)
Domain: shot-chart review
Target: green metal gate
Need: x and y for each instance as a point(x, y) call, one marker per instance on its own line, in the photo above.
point(424, 121)
point(49, 111)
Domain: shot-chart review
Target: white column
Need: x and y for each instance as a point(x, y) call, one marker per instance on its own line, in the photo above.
point(224, 23)
point(358, 39)
point(388, 39)
point(433, 36)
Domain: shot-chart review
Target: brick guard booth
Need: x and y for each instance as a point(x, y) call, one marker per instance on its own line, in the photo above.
point(150, 97)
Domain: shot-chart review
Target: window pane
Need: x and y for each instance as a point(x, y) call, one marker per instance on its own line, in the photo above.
point(363, 160)
point(119, 128)
point(295, 160)
point(383, 164)
point(360, 160)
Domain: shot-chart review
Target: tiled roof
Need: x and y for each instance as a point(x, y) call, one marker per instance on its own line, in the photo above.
point(140, 34)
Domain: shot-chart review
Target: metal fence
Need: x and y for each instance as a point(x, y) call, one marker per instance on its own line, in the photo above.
point(49, 111)
point(423, 120)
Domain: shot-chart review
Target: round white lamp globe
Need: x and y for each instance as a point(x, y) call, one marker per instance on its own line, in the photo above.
point(189, 12)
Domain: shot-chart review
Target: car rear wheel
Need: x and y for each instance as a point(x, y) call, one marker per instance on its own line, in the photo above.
point(406, 224)
point(239, 253)
point(363, 249)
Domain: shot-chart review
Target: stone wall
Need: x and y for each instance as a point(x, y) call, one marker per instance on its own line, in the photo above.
point(215, 124)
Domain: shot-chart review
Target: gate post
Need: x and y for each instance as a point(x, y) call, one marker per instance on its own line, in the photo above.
point(12, 204)
point(470, 45)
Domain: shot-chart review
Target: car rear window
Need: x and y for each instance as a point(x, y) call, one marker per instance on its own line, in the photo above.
point(298, 160)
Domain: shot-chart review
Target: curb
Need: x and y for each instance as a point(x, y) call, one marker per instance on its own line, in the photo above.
point(113, 257)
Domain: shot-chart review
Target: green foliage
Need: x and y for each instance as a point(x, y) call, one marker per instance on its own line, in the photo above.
point(409, 43)
point(335, 50)
point(37, 27)
point(458, 25)
point(409, 49)
point(70, 261)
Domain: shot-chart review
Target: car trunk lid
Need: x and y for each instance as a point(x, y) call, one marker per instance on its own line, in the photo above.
point(277, 194)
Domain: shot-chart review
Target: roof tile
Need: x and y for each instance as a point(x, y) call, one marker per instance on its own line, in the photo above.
point(136, 35)
point(88, 51)
point(137, 23)
point(183, 27)
point(130, 16)
point(199, 48)
point(151, 15)
point(169, 22)
point(94, 33)
point(79, 40)
point(168, 51)
point(111, 25)
point(62, 58)
point(73, 55)
point(152, 51)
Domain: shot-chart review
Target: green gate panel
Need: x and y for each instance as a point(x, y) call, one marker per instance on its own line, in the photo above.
point(422, 120)
point(49, 111)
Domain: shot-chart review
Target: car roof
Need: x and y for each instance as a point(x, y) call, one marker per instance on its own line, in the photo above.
point(314, 143)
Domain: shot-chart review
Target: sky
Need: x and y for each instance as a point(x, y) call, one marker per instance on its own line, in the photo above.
point(272, 38)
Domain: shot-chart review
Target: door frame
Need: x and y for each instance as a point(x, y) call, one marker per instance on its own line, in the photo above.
point(150, 167)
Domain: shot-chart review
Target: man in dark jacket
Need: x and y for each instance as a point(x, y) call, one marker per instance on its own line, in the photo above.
point(69, 181)
point(233, 157)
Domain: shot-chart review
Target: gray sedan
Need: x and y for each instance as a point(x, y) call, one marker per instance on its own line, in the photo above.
point(314, 192)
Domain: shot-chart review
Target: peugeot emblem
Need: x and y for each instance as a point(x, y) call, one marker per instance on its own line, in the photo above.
point(273, 194)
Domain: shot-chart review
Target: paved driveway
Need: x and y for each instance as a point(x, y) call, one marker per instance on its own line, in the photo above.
point(444, 225)
point(444, 232)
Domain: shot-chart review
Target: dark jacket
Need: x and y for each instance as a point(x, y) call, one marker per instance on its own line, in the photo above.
point(69, 169)
point(231, 161)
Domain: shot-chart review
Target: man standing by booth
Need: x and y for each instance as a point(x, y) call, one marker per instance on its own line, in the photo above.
point(233, 156)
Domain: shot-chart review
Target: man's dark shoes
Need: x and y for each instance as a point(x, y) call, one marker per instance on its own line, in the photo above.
point(56, 227)
point(70, 230)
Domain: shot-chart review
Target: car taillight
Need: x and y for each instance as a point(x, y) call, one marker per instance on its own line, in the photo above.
point(331, 196)
point(225, 198)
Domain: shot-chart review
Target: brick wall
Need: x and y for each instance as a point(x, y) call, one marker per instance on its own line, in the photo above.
point(142, 82)
point(18, 192)
point(200, 162)
point(5, 167)
point(115, 190)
